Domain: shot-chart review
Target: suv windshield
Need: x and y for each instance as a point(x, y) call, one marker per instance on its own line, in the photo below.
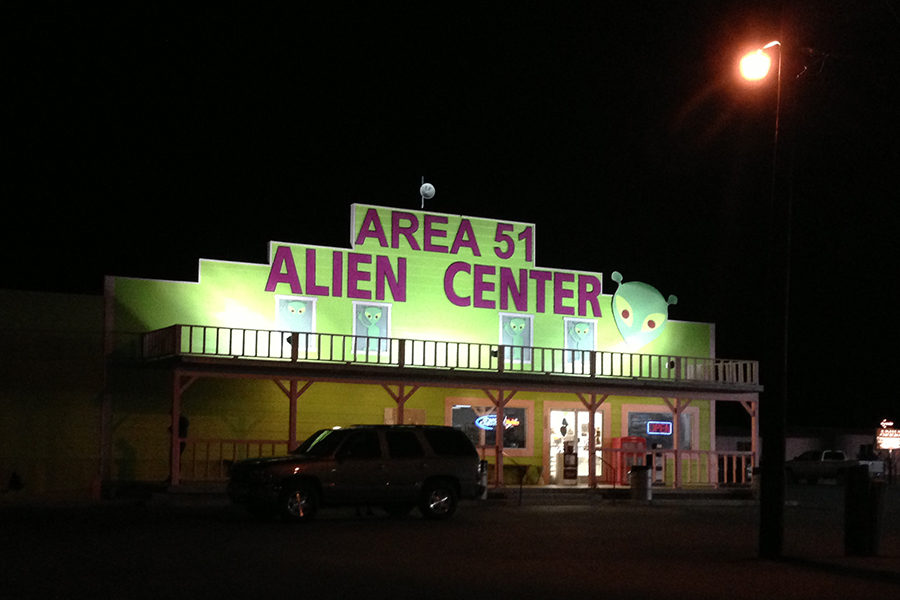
point(322, 443)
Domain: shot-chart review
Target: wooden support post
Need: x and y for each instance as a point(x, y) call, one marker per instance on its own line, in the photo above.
point(400, 397)
point(677, 406)
point(293, 391)
point(592, 404)
point(500, 400)
point(752, 409)
point(180, 384)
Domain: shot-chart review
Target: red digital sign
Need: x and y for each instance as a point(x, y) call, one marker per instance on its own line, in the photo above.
point(659, 427)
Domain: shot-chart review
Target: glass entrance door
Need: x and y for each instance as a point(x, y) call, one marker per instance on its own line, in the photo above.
point(571, 428)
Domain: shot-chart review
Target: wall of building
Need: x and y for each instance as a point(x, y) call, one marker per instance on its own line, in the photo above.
point(244, 409)
point(449, 278)
point(50, 386)
point(421, 275)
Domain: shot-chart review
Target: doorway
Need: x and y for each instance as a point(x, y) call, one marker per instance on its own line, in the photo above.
point(570, 429)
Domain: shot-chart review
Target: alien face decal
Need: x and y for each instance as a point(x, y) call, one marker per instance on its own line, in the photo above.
point(640, 311)
point(515, 330)
point(294, 314)
point(579, 334)
point(369, 316)
point(371, 321)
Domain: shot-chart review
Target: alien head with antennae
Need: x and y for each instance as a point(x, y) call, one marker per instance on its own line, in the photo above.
point(640, 311)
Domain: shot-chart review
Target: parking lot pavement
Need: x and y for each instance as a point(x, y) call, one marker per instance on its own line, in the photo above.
point(488, 550)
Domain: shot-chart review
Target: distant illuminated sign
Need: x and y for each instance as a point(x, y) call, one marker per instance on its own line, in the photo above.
point(889, 439)
point(659, 427)
point(489, 422)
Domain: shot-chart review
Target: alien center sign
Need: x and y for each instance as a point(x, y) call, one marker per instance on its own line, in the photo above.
point(397, 255)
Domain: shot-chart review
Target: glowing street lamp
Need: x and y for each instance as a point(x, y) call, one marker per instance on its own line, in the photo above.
point(755, 67)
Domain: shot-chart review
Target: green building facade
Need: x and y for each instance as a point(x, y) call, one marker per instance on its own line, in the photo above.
point(424, 318)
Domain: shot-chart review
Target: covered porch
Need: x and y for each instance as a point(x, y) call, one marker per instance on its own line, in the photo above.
point(296, 361)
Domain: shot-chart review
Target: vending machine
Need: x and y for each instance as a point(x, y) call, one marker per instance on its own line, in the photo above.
point(629, 451)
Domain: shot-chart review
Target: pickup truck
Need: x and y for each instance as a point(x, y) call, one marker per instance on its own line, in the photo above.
point(813, 465)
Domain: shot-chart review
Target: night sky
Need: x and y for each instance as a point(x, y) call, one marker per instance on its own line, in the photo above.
point(140, 138)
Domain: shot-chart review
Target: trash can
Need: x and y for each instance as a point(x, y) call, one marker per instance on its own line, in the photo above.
point(863, 512)
point(639, 480)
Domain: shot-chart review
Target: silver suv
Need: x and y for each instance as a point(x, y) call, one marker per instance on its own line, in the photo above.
point(393, 466)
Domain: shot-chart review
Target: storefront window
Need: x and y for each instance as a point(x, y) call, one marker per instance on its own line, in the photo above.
point(480, 424)
point(659, 429)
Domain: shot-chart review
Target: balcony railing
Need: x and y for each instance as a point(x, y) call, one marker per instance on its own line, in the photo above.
point(287, 346)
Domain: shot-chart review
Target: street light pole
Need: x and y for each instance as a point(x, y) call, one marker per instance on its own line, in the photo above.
point(755, 66)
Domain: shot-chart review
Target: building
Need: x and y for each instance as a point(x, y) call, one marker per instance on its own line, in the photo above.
point(425, 318)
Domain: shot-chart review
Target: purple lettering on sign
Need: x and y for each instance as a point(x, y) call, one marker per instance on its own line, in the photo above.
point(407, 229)
point(540, 279)
point(431, 232)
point(354, 276)
point(337, 269)
point(480, 286)
point(510, 289)
point(560, 293)
point(283, 270)
point(384, 274)
point(449, 275)
point(311, 286)
point(465, 238)
point(371, 228)
point(501, 236)
point(589, 289)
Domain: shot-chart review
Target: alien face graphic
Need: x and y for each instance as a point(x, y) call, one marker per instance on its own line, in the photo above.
point(294, 314)
point(640, 311)
point(580, 335)
point(515, 329)
point(371, 322)
point(369, 317)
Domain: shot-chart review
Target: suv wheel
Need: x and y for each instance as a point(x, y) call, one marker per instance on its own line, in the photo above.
point(299, 502)
point(438, 500)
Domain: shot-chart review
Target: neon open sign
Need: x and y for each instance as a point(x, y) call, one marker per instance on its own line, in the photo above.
point(489, 422)
point(659, 427)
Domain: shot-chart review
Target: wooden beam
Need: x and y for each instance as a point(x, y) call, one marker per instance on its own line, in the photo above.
point(500, 400)
point(400, 397)
point(293, 391)
point(592, 404)
point(180, 384)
